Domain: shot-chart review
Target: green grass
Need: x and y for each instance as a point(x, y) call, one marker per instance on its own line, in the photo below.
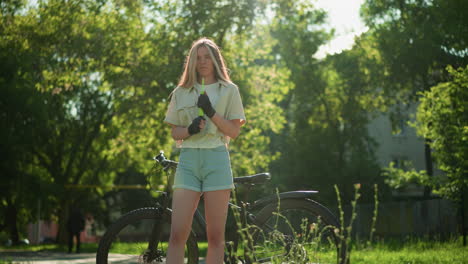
point(411, 252)
point(129, 248)
point(388, 252)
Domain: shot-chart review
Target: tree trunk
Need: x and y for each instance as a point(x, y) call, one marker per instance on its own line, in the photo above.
point(427, 189)
point(62, 232)
point(429, 166)
point(11, 220)
point(463, 214)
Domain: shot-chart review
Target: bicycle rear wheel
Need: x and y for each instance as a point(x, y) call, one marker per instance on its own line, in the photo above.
point(297, 231)
point(141, 236)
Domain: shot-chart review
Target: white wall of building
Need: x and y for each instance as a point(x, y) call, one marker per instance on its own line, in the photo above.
point(399, 147)
point(405, 145)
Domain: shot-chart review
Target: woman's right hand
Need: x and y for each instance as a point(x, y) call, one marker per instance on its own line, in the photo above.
point(197, 125)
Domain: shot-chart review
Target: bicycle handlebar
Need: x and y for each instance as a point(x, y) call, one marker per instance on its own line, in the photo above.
point(160, 158)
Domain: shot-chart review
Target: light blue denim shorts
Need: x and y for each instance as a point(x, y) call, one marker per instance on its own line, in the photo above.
point(204, 169)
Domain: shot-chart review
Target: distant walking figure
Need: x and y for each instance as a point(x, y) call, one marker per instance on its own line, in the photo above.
point(75, 224)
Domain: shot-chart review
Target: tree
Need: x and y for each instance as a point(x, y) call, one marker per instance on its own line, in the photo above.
point(297, 34)
point(265, 85)
point(21, 114)
point(94, 76)
point(417, 40)
point(442, 118)
point(327, 109)
point(348, 103)
point(64, 61)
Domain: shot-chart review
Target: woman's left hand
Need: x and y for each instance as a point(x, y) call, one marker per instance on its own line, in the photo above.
point(205, 104)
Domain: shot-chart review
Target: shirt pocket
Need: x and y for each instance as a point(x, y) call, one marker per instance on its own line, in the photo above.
point(187, 110)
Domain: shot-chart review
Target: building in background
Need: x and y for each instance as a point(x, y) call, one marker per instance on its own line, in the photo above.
point(409, 214)
point(45, 232)
point(398, 143)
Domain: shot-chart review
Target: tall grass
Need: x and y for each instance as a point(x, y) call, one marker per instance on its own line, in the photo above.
point(304, 245)
point(344, 233)
point(375, 214)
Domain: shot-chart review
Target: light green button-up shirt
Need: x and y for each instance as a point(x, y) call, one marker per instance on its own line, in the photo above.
point(224, 98)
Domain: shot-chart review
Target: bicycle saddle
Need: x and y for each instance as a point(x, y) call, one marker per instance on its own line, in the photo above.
point(253, 179)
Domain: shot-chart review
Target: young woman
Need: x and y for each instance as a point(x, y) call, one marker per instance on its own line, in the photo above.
point(204, 164)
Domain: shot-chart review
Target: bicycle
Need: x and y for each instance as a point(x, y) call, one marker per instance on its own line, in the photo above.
point(283, 225)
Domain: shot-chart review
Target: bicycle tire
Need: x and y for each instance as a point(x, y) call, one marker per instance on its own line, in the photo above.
point(309, 238)
point(118, 233)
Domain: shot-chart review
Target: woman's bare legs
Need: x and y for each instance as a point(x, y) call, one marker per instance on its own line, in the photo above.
point(216, 208)
point(184, 204)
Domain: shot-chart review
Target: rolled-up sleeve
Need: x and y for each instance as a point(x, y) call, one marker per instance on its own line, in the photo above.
point(235, 109)
point(171, 115)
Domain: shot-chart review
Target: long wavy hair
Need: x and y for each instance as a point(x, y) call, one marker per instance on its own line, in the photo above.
point(190, 75)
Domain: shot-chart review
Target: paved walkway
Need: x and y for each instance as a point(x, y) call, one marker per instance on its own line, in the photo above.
point(27, 257)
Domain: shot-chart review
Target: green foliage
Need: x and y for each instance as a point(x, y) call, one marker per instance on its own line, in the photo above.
point(94, 78)
point(84, 89)
point(265, 86)
point(328, 110)
point(404, 175)
point(416, 41)
point(414, 51)
point(442, 118)
point(84, 55)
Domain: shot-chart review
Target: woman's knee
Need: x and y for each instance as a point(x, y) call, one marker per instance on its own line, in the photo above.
point(216, 239)
point(178, 237)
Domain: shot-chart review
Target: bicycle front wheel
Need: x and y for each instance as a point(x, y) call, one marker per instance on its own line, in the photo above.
point(141, 236)
point(297, 231)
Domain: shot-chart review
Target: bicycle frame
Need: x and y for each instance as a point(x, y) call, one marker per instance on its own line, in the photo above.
point(254, 222)
point(249, 181)
point(200, 221)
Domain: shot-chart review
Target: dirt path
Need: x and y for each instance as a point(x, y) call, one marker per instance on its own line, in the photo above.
point(26, 257)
